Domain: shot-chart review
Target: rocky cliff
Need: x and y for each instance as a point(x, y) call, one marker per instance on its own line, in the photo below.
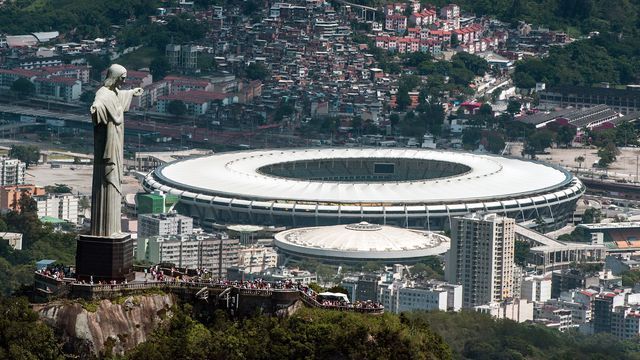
point(107, 327)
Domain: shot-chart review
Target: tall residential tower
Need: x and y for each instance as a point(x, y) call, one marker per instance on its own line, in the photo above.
point(481, 258)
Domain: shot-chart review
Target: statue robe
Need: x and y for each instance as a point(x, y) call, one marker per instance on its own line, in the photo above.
point(108, 138)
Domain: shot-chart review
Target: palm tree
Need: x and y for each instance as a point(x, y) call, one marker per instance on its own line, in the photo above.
point(580, 160)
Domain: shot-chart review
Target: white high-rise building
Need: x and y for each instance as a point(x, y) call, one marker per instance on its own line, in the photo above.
point(164, 225)
point(481, 258)
point(536, 288)
point(12, 172)
point(59, 206)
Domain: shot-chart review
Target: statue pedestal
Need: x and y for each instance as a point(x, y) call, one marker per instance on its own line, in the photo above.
point(105, 258)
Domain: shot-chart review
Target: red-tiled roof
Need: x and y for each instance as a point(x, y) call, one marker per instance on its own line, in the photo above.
point(57, 80)
point(177, 80)
point(195, 96)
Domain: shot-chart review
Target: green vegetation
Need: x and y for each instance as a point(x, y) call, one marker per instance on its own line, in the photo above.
point(257, 71)
point(630, 278)
point(23, 87)
point(28, 154)
point(473, 335)
point(309, 334)
point(58, 189)
point(88, 19)
point(177, 107)
point(603, 58)
point(159, 67)
point(22, 336)
point(607, 155)
point(39, 241)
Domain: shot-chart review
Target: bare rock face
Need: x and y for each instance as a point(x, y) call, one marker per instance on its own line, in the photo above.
point(105, 327)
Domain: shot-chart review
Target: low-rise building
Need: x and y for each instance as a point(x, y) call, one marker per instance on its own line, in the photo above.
point(236, 273)
point(518, 310)
point(14, 239)
point(257, 258)
point(58, 206)
point(59, 88)
point(401, 296)
point(625, 322)
point(554, 317)
point(10, 195)
point(197, 102)
point(164, 225)
point(211, 252)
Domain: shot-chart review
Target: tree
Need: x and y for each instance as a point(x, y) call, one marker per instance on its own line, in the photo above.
point(159, 67)
point(485, 110)
point(471, 137)
point(257, 71)
point(565, 135)
point(403, 100)
point(580, 159)
point(23, 87)
point(477, 65)
point(23, 335)
point(98, 65)
point(394, 119)
point(454, 40)
point(87, 97)
point(58, 189)
point(513, 107)
point(29, 154)
point(591, 216)
point(495, 142)
point(356, 123)
point(84, 203)
point(538, 141)
point(177, 107)
point(27, 204)
point(607, 155)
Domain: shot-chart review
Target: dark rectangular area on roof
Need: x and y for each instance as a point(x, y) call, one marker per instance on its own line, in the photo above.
point(384, 168)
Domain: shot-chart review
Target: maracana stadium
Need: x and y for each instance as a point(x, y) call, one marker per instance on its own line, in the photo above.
point(406, 187)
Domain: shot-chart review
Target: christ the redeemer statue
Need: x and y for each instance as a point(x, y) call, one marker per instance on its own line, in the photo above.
point(107, 113)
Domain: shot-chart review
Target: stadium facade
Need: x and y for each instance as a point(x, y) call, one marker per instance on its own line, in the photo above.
point(413, 188)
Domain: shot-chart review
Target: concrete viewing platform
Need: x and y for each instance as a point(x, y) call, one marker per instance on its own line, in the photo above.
point(241, 298)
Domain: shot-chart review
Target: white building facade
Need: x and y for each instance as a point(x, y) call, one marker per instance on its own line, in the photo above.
point(536, 288)
point(257, 258)
point(12, 172)
point(400, 296)
point(196, 251)
point(164, 225)
point(59, 206)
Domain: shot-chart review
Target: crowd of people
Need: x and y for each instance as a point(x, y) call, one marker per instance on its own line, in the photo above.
point(55, 271)
point(157, 274)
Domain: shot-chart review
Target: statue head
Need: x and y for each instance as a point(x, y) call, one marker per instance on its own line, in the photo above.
point(115, 75)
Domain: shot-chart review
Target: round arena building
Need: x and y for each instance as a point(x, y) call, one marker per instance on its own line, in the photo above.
point(408, 187)
point(358, 243)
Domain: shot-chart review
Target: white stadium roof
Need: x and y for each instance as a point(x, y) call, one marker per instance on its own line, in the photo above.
point(362, 241)
point(236, 175)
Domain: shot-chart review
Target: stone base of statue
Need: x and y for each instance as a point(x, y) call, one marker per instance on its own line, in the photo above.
point(102, 258)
